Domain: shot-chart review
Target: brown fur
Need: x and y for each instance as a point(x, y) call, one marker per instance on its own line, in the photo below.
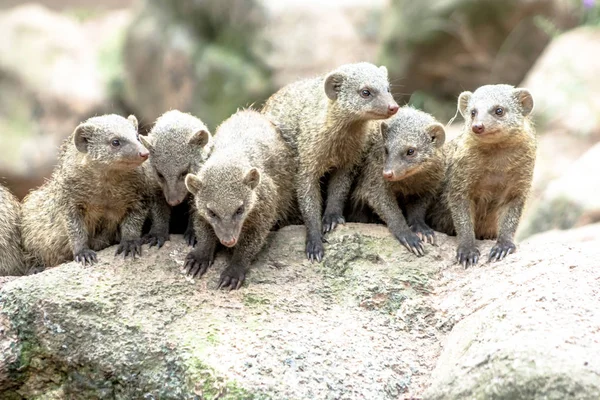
point(11, 252)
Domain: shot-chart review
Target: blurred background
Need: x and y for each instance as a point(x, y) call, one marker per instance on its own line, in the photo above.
point(62, 61)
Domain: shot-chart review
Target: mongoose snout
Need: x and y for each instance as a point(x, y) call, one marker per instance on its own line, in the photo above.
point(478, 128)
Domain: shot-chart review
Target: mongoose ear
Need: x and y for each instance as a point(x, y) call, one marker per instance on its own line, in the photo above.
point(437, 133)
point(463, 102)
point(252, 178)
point(525, 99)
point(82, 135)
point(384, 69)
point(147, 142)
point(333, 84)
point(133, 121)
point(199, 138)
point(383, 128)
point(193, 183)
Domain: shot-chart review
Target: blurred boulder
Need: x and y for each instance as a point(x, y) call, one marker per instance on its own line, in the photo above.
point(565, 84)
point(51, 78)
point(204, 57)
point(438, 48)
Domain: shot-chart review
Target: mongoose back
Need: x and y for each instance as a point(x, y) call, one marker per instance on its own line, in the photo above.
point(489, 171)
point(403, 164)
point(325, 121)
point(11, 253)
point(96, 197)
point(178, 145)
point(240, 193)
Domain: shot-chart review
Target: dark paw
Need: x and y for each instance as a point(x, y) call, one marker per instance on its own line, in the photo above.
point(330, 221)
point(86, 256)
point(425, 233)
point(155, 239)
point(196, 264)
point(467, 255)
point(232, 278)
point(411, 242)
point(190, 237)
point(130, 248)
point(314, 249)
point(501, 249)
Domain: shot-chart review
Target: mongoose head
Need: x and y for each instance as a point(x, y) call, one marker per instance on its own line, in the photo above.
point(110, 140)
point(224, 194)
point(362, 90)
point(410, 140)
point(178, 143)
point(495, 112)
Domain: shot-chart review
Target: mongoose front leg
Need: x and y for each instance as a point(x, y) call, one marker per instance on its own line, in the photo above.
point(415, 214)
point(79, 239)
point(309, 200)
point(189, 235)
point(251, 242)
point(467, 253)
point(508, 226)
point(386, 206)
point(160, 213)
point(203, 255)
point(337, 193)
point(131, 232)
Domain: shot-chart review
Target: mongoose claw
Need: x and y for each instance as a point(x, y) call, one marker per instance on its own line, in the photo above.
point(411, 242)
point(131, 247)
point(467, 255)
point(314, 249)
point(190, 237)
point(155, 239)
point(232, 278)
point(331, 221)
point(501, 249)
point(425, 233)
point(86, 256)
point(196, 264)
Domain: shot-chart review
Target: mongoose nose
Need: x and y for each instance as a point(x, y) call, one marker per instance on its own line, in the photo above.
point(478, 128)
point(144, 154)
point(387, 174)
point(229, 243)
point(393, 109)
point(174, 202)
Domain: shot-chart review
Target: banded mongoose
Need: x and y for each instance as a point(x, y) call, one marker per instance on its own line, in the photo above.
point(489, 171)
point(325, 120)
point(178, 144)
point(240, 193)
point(11, 252)
point(96, 197)
point(403, 169)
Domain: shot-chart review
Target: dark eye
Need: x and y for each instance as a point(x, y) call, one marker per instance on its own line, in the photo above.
point(386, 151)
point(115, 143)
point(184, 174)
point(240, 210)
point(473, 113)
point(160, 176)
point(137, 136)
point(365, 93)
point(211, 213)
point(410, 152)
point(499, 111)
point(388, 89)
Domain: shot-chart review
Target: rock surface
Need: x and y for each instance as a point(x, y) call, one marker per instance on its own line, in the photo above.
point(367, 323)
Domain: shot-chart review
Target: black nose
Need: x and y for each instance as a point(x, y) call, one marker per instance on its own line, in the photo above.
point(478, 128)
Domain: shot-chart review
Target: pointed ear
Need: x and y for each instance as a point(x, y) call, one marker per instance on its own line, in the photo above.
point(437, 133)
point(333, 84)
point(384, 69)
point(252, 178)
point(193, 183)
point(199, 138)
point(133, 121)
point(82, 135)
point(383, 128)
point(463, 102)
point(147, 142)
point(525, 99)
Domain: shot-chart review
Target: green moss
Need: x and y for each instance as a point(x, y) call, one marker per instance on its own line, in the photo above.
point(252, 300)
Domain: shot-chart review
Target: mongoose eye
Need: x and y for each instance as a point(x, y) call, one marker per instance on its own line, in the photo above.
point(183, 174)
point(499, 111)
point(365, 93)
point(115, 143)
point(410, 152)
point(211, 213)
point(240, 211)
point(160, 176)
point(473, 113)
point(389, 90)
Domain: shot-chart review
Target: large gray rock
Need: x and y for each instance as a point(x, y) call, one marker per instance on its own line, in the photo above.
point(367, 323)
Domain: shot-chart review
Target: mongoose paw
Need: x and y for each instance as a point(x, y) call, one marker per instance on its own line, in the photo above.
point(130, 247)
point(467, 255)
point(330, 221)
point(314, 249)
point(190, 237)
point(196, 263)
point(425, 233)
point(412, 242)
point(501, 249)
point(155, 239)
point(86, 256)
point(232, 278)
